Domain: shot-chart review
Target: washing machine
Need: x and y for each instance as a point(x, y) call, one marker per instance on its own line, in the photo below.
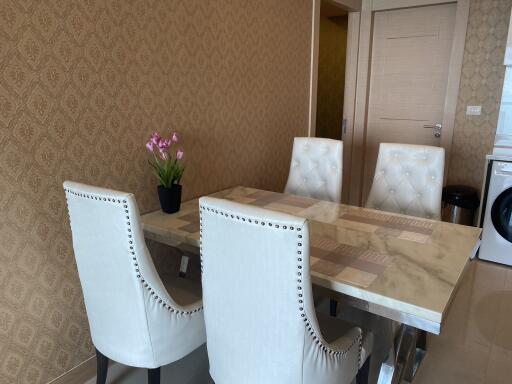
point(497, 224)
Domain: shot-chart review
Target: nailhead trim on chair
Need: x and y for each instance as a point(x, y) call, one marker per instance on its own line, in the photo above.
point(303, 315)
point(132, 252)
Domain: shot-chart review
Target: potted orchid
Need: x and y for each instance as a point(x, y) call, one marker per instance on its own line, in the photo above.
point(168, 167)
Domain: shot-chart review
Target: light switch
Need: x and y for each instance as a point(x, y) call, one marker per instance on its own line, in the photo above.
point(474, 110)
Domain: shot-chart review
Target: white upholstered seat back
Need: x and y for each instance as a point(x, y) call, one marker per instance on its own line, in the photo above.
point(260, 321)
point(409, 180)
point(133, 320)
point(316, 168)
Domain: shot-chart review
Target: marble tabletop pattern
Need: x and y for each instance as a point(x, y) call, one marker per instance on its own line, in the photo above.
point(400, 265)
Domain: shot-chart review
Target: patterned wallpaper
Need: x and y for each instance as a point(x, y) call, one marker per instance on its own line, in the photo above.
point(331, 76)
point(481, 84)
point(82, 85)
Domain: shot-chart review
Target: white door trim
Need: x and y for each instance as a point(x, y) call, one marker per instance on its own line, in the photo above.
point(349, 100)
point(313, 70)
point(361, 101)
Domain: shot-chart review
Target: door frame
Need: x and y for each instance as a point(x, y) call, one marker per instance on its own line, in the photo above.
point(349, 100)
point(369, 7)
point(353, 7)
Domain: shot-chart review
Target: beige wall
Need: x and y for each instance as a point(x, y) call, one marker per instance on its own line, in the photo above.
point(331, 76)
point(82, 85)
point(481, 84)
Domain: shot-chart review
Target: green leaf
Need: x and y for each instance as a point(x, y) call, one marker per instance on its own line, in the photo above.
point(168, 171)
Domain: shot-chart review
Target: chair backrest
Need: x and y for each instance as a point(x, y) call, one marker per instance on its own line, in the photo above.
point(316, 169)
point(122, 290)
point(256, 292)
point(409, 180)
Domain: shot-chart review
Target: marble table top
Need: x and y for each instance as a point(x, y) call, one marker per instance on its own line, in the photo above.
point(401, 267)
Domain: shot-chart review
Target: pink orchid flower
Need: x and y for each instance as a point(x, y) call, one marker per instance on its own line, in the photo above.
point(166, 159)
point(164, 144)
point(155, 138)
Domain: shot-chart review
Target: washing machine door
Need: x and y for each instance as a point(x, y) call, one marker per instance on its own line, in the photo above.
point(501, 214)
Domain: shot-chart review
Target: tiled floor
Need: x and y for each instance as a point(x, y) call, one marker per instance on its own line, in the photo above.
point(193, 369)
point(475, 345)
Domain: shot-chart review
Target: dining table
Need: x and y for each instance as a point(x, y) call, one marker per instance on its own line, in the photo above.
point(401, 268)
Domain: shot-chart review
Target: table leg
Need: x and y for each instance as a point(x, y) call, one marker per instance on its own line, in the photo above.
point(387, 371)
point(404, 357)
point(420, 352)
point(184, 265)
point(186, 254)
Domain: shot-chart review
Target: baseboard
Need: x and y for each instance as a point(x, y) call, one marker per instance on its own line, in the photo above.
point(80, 374)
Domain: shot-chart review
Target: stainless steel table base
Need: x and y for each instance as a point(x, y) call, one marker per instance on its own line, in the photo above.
point(404, 358)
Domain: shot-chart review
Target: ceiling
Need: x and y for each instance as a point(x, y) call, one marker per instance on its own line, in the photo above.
point(330, 9)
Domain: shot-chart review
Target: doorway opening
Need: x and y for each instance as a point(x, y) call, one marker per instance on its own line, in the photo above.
point(332, 53)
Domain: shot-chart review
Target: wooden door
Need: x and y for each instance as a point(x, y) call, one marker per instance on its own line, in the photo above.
point(410, 62)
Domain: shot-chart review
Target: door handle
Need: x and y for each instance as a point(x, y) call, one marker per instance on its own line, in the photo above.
point(435, 127)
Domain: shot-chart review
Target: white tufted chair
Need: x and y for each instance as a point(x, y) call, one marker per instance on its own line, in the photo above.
point(261, 324)
point(132, 317)
point(409, 180)
point(316, 168)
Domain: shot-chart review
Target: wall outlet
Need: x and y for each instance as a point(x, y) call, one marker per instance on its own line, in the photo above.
point(474, 110)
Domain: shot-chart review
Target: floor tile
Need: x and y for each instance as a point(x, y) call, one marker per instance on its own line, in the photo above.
point(508, 281)
point(503, 335)
point(470, 357)
point(192, 369)
point(462, 329)
point(475, 345)
point(499, 366)
point(432, 373)
point(480, 288)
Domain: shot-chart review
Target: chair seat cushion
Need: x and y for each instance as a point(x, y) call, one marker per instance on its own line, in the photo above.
point(334, 329)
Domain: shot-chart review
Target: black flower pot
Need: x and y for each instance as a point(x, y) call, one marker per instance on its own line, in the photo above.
point(170, 198)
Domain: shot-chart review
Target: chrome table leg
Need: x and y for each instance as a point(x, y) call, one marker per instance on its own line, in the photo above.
point(404, 358)
point(387, 371)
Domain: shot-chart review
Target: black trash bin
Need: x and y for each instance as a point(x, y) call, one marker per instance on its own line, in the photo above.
point(460, 203)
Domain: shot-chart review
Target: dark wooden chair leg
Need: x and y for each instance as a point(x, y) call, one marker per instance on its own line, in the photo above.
point(333, 306)
point(364, 373)
point(101, 367)
point(154, 376)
